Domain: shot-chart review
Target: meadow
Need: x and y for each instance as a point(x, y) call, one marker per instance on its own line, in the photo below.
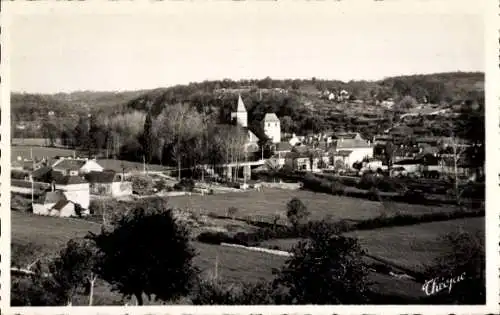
point(48, 235)
point(270, 201)
point(411, 247)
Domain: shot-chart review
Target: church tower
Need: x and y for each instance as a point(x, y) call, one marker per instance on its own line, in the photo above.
point(240, 114)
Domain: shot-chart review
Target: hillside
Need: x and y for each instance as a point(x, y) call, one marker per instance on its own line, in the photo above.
point(303, 105)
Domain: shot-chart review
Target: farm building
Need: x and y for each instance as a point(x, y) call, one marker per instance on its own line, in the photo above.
point(74, 167)
point(353, 150)
point(108, 183)
point(75, 189)
point(54, 203)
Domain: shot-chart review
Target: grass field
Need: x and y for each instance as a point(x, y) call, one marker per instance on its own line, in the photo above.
point(234, 265)
point(49, 235)
point(412, 246)
point(406, 246)
point(25, 152)
point(271, 201)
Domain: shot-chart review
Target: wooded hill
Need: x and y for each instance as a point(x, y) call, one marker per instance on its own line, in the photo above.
point(300, 104)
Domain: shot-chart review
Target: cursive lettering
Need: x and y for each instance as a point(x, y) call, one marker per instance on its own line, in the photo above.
point(438, 284)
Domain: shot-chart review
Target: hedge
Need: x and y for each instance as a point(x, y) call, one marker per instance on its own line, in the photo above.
point(303, 231)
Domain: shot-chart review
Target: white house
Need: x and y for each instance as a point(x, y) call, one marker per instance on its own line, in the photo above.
point(54, 203)
point(296, 140)
point(75, 167)
point(75, 189)
point(353, 150)
point(271, 127)
point(108, 184)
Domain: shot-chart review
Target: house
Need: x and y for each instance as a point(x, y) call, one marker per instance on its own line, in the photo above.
point(271, 127)
point(352, 150)
point(76, 189)
point(282, 148)
point(307, 160)
point(296, 140)
point(348, 135)
point(109, 184)
point(75, 167)
point(54, 203)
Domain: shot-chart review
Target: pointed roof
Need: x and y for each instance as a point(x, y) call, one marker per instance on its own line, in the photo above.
point(241, 105)
point(271, 117)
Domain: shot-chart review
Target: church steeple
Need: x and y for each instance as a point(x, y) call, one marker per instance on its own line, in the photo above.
point(240, 115)
point(241, 107)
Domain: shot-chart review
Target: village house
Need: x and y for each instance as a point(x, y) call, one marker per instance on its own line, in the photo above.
point(54, 203)
point(305, 158)
point(108, 183)
point(351, 148)
point(75, 167)
point(271, 127)
point(296, 140)
point(76, 189)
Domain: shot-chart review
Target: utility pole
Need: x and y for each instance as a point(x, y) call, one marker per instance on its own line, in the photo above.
point(31, 178)
point(216, 273)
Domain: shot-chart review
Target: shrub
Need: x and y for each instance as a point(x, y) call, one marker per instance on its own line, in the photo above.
point(142, 185)
point(186, 184)
point(296, 211)
point(214, 238)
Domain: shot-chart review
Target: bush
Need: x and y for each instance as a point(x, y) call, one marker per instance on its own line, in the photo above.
point(186, 184)
point(214, 292)
point(142, 185)
point(215, 238)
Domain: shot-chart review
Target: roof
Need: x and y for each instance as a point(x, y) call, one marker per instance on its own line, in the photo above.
point(347, 135)
point(352, 143)
point(101, 177)
point(241, 105)
point(343, 153)
point(53, 197)
point(69, 164)
point(60, 204)
point(41, 172)
point(271, 117)
point(283, 146)
point(70, 180)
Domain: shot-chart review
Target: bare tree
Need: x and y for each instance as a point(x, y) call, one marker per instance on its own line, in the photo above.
point(457, 152)
point(176, 125)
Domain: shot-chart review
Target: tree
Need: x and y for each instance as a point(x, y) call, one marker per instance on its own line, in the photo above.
point(177, 125)
point(148, 252)
point(465, 259)
point(457, 154)
point(327, 268)
point(147, 138)
point(388, 155)
point(75, 268)
point(406, 103)
point(296, 211)
point(273, 167)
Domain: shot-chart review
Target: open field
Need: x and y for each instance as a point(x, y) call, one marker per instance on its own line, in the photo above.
point(407, 246)
point(39, 152)
point(234, 265)
point(412, 246)
point(49, 235)
point(269, 202)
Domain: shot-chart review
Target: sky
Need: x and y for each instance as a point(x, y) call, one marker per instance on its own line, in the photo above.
point(63, 51)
